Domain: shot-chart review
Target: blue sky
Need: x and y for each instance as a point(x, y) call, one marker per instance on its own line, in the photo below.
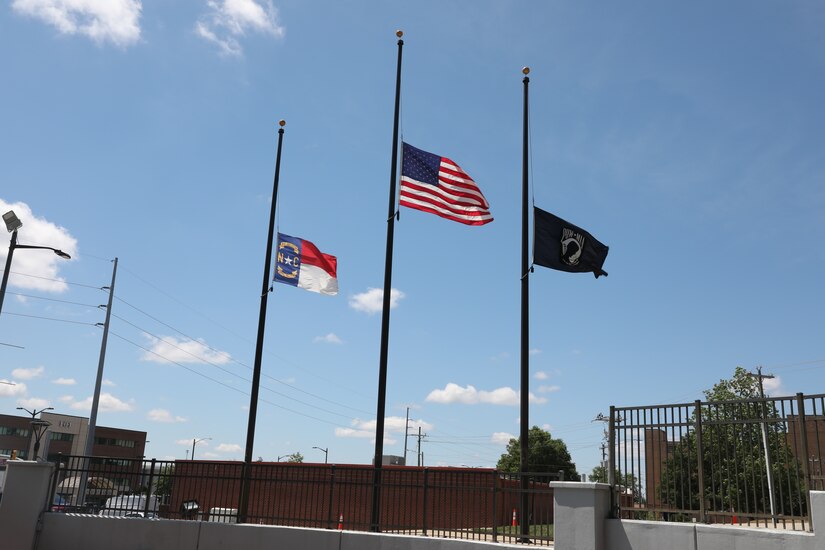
point(687, 137)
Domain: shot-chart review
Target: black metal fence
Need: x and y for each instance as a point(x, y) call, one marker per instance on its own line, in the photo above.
point(464, 503)
point(737, 462)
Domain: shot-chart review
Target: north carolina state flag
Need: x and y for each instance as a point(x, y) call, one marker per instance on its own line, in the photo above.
point(299, 263)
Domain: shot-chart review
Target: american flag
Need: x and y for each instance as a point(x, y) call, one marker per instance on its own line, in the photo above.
point(438, 185)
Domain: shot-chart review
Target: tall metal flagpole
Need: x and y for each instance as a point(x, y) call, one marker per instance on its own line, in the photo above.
point(525, 322)
point(385, 314)
point(259, 347)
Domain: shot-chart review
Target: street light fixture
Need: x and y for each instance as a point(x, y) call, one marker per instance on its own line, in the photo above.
point(196, 441)
point(326, 452)
point(38, 426)
point(282, 456)
point(13, 223)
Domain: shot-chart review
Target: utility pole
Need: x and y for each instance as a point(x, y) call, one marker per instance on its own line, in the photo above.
point(406, 435)
point(420, 456)
point(759, 376)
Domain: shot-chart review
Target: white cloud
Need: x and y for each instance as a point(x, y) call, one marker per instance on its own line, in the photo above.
point(228, 448)
point(548, 389)
point(28, 374)
point(501, 438)
point(535, 351)
point(541, 375)
point(164, 416)
point(66, 399)
point(64, 381)
point(109, 383)
point(168, 348)
point(372, 301)
point(39, 269)
point(773, 386)
point(208, 454)
point(229, 20)
point(33, 403)
point(188, 442)
point(330, 338)
point(365, 429)
point(453, 393)
point(503, 356)
point(108, 403)
point(11, 389)
point(115, 21)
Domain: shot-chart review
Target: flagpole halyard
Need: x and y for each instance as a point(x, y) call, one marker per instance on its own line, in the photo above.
point(385, 313)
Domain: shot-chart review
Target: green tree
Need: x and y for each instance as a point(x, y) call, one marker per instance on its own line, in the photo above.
point(295, 457)
point(544, 454)
point(629, 481)
point(733, 456)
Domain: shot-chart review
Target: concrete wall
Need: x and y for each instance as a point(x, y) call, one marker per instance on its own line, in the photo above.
point(582, 523)
point(61, 531)
point(24, 498)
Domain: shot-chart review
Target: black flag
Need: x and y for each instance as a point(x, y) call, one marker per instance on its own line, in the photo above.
point(560, 245)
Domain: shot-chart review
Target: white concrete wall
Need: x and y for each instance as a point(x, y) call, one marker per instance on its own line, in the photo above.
point(61, 531)
point(24, 498)
point(582, 523)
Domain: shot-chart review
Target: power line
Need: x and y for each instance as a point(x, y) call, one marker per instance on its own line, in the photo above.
point(49, 318)
point(51, 299)
point(242, 392)
point(230, 357)
point(227, 371)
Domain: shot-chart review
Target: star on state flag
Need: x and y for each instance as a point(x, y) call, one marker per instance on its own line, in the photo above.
point(299, 263)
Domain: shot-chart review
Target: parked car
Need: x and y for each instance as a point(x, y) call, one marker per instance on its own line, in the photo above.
point(59, 504)
point(128, 505)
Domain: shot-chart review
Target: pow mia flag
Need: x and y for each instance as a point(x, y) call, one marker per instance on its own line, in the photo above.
point(560, 245)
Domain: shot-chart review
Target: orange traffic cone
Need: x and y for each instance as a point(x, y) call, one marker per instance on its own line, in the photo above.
point(514, 523)
point(341, 522)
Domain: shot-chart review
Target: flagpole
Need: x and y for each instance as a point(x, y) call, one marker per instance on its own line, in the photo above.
point(256, 372)
point(385, 314)
point(525, 321)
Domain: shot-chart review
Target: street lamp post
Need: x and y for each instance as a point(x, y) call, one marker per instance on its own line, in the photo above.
point(282, 456)
point(38, 426)
point(13, 223)
point(325, 451)
point(196, 441)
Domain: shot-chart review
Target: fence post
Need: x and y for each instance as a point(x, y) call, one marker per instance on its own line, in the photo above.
point(331, 514)
point(611, 467)
point(149, 487)
point(806, 471)
point(700, 459)
point(424, 512)
point(495, 509)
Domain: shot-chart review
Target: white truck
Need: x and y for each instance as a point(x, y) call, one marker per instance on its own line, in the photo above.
point(131, 506)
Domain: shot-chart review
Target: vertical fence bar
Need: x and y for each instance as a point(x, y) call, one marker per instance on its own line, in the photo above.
point(495, 510)
point(700, 460)
point(149, 487)
point(424, 513)
point(611, 468)
point(803, 428)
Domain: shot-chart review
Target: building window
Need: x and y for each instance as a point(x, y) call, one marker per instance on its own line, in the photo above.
point(58, 436)
point(128, 443)
point(20, 432)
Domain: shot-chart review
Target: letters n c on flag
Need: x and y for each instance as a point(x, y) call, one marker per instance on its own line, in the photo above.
point(299, 263)
point(438, 185)
point(560, 245)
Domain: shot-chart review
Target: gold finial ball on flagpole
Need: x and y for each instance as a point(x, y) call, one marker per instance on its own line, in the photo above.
point(526, 70)
point(282, 123)
point(399, 34)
